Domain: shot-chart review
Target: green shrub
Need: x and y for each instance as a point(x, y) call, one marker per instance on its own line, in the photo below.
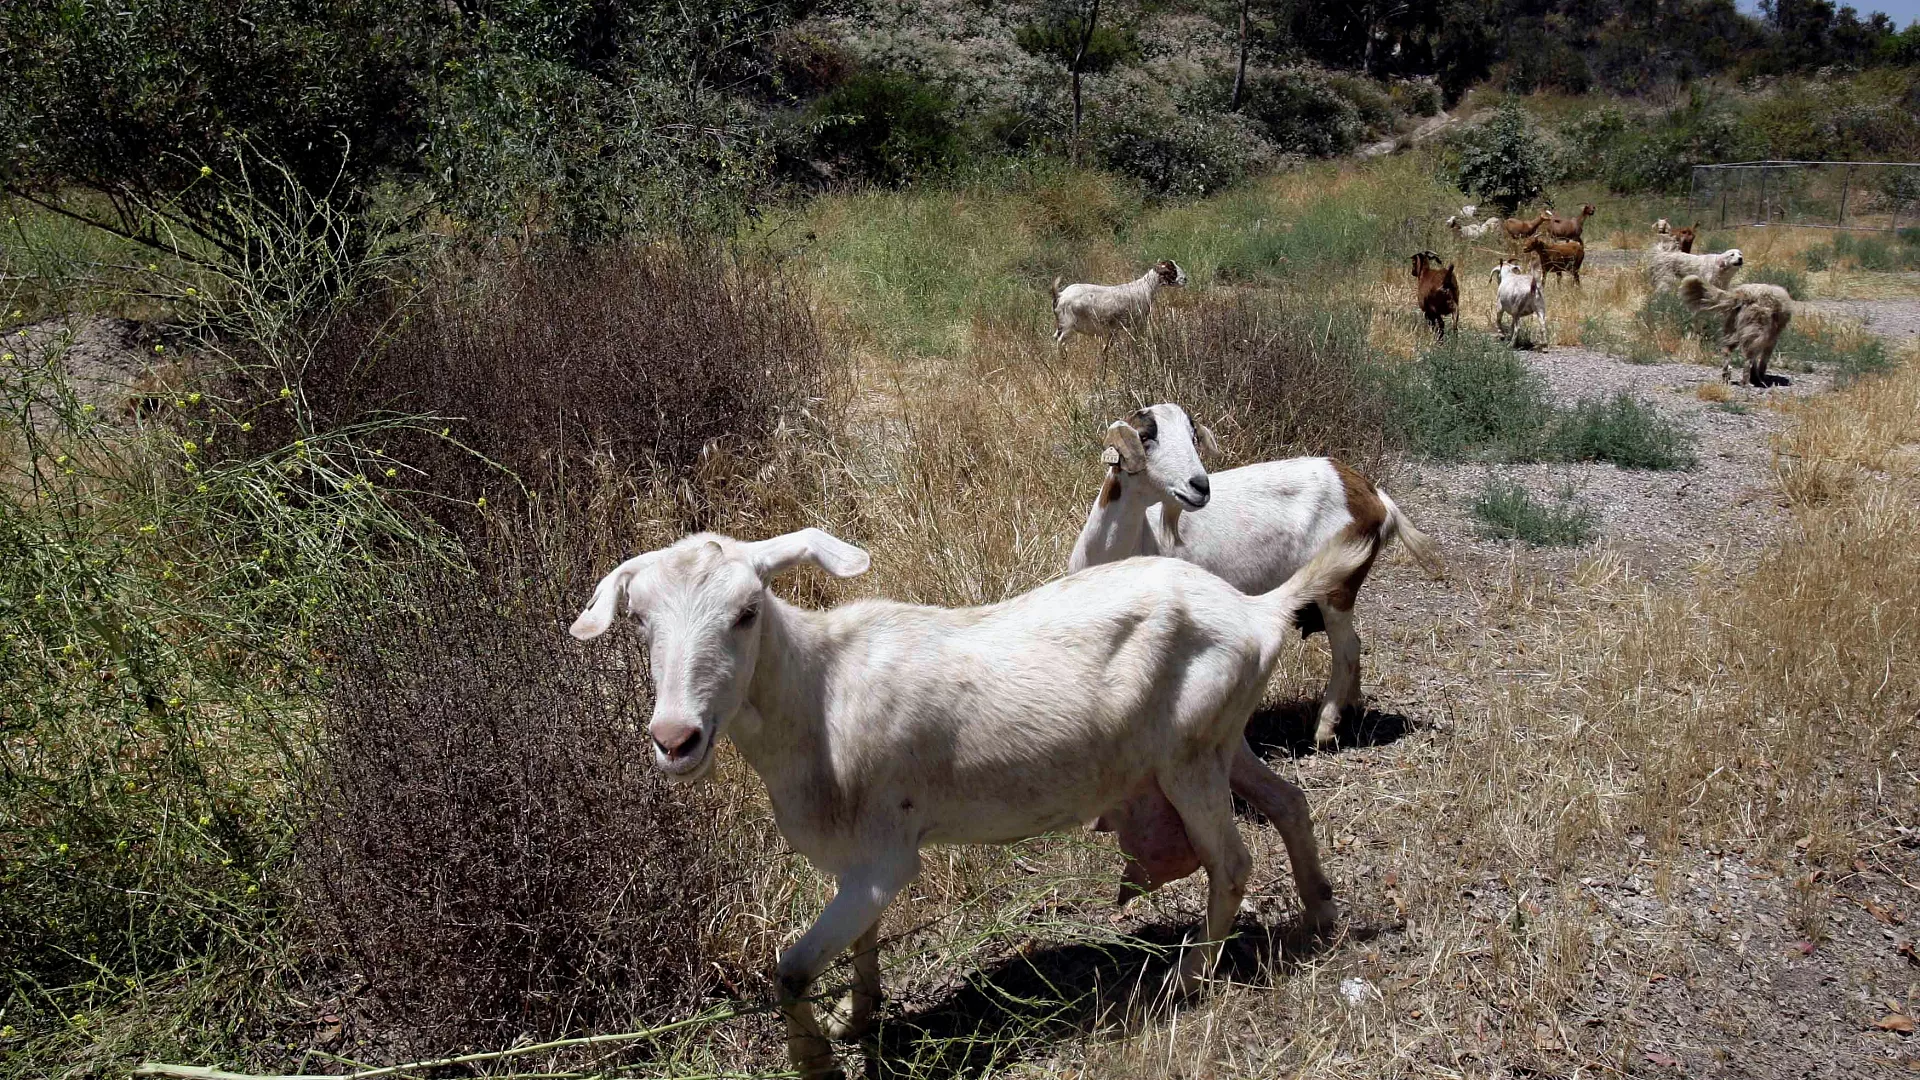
point(1848, 364)
point(885, 127)
point(1508, 512)
point(1470, 396)
point(1136, 130)
point(1623, 430)
point(1502, 160)
point(1817, 258)
point(1302, 111)
point(1058, 37)
point(1419, 97)
point(1665, 311)
point(1787, 278)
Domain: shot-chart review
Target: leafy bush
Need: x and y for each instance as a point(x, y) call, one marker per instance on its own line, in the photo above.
point(1057, 36)
point(1623, 430)
point(885, 126)
point(1470, 396)
point(1302, 111)
point(160, 600)
point(1875, 252)
point(484, 837)
point(1786, 277)
point(1419, 97)
point(644, 356)
point(1664, 312)
point(1136, 130)
point(1508, 512)
point(1502, 160)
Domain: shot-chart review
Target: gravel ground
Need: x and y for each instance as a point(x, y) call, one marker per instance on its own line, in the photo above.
point(1896, 320)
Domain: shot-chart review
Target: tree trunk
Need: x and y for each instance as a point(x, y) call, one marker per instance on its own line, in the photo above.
point(1240, 72)
point(1079, 58)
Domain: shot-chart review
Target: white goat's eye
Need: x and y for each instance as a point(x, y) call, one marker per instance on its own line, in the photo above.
point(746, 617)
point(1149, 443)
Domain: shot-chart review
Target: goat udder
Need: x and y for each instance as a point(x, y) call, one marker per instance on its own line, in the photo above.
point(1153, 838)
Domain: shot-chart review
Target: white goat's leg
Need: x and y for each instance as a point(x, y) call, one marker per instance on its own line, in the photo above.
point(864, 893)
point(1201, 793)
point(849, 1019)
point(1285, 805)
point(1343, 675)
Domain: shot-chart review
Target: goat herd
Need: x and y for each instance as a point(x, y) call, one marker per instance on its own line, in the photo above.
point(1754, 314)
point(1117, 695)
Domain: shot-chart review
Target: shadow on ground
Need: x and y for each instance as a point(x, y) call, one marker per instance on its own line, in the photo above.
point(1028, 1003)
point(1287, 728)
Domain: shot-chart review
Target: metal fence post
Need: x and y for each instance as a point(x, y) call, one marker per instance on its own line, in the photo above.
point(1846, 182)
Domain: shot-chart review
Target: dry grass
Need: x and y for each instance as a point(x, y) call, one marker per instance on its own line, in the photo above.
point(1526, 869)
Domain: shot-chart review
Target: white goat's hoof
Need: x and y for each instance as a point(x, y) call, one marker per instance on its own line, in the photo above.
point(847, 1020)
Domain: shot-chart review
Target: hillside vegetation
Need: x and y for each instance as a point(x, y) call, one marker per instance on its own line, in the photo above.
point(346, 345)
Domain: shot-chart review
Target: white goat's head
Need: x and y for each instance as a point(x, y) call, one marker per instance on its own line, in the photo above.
point(699, 604)
point(1170, 273)
point(1662, 227)
point(1505, 268)
point(1159, 446)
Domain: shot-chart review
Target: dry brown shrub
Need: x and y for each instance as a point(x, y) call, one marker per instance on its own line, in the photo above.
point(553, 366)
point(484, 838)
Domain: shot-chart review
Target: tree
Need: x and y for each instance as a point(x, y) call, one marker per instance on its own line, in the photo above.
point(1079, 41)
point(1502, 161)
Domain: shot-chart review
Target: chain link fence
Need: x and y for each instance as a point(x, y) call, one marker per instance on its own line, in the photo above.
point(1880, 196)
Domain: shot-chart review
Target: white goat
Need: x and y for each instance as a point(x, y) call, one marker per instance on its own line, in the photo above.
point(1469, 210)
point(1520, 294)
point(881, 727)
point(1260, 524)
point(1666, 268)
point(1473, 231)
point(1104, 310)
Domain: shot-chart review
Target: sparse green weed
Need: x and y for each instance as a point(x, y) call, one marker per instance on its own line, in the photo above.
point(1508, 511)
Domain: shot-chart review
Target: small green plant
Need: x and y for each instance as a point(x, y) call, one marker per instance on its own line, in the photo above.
point(1817, 258)
point(1816, 348)
point(1623, 430)
point(1508, 512)
point(1470, 396)
point(1664, 312)
point(1737, 408)
point(1595, 333)
point(1787, 278)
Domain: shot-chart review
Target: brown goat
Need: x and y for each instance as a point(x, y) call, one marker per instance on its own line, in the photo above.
point(1683, 238)
point(1569, 228)
point(1437, 291)
point(1520, 229)
point(1558, 256)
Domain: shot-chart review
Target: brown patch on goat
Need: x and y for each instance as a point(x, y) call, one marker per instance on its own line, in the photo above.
point(1169, 273)
point(1143, 422)
point(1558, 256)
point(1110, 490)
point(1369, 515)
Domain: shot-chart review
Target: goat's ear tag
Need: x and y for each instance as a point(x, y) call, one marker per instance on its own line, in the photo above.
point(1110, 456)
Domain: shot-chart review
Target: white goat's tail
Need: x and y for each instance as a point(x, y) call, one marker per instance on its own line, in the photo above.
point(1417, 543)
point(1330, 570)
point(1056, 293)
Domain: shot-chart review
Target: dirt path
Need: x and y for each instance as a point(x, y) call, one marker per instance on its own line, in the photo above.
point(1743, 991)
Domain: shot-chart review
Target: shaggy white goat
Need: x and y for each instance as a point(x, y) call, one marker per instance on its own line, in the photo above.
point(1756, 314)
point(1473, 231)
point(1666, 268)
point(1260, 523)
point(1120, 693)
point(1469, 210)
point(1520, 294)
point(1104, 310)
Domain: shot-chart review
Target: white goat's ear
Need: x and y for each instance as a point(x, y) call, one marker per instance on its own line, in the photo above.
point(606, 599)
point(814, 546)
point(1124, 439)
point(1208, 444)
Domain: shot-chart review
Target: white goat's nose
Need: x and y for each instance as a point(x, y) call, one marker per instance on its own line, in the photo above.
point(675, 739)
